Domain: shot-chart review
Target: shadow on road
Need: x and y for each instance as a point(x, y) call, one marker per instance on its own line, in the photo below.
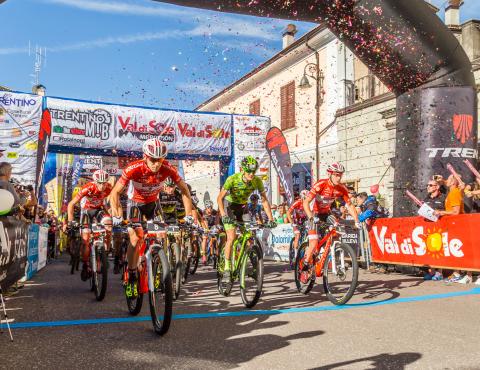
point(380, 362)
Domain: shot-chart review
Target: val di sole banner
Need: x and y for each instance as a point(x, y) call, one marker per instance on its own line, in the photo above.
point(105, 127)
point(20, 116)
point(451, 242)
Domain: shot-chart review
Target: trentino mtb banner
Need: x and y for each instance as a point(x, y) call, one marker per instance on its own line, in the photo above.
point(104, 127)
point(20, 116)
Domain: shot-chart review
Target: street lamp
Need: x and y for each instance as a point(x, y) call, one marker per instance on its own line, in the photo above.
point(312, 70)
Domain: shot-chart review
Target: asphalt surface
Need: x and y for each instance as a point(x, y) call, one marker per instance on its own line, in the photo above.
point(393, 322)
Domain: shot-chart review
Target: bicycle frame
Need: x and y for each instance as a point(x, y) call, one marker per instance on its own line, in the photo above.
point(96, 238)
point(326, 243)
point(245, 236)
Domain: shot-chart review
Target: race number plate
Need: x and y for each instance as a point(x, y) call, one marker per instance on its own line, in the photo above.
point(154, 228)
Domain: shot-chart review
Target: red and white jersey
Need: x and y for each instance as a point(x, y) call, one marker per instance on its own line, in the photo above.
point(145, 183)
point(324, 194)
point(297, 212)
point(91, 197)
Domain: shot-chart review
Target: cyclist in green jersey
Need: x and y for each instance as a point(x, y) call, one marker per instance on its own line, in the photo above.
point(232, 203)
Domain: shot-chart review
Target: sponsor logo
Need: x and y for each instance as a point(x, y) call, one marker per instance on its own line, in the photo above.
point(435, 243)
point(12, 155)
point(14, 145)
point(220, 150)
point(462, 126)
point(252, 131)
point(152, 129)
point(452, 152)
point(9, 99)
point(207, 132)
point(31, 145)
point(93, 123)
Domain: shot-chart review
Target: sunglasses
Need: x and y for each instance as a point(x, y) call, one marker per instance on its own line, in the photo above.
point(430, 185)
point(250, 171)
point(156, 160)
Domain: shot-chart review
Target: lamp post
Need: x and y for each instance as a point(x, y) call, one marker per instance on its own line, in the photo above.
point(312, 70)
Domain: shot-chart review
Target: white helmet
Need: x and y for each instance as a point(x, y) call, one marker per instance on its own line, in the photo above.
point(304, 194)
point(335, 168)
point(155, 148)
point(100, 176)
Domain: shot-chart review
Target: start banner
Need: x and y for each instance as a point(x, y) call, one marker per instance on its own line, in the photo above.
point(451, 242)
point(106, 127)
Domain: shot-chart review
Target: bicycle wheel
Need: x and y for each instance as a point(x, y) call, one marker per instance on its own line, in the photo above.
point(303, 286)
point(195, 257)
point(176, 270)
point(162, 297)
point(74, 254)
point(291, 255)
point(186, 262)
point(101, 275)
point(340, 274)
point(251, 278)
point(223, 289)
point(134, 304)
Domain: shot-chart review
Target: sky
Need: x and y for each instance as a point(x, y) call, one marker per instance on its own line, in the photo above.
point(138, 52)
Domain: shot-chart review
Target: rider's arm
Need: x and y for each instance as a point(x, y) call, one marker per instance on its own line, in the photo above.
point(353, 211)
point(289, 216)
point(71, 205)
point(221, 196)
point(266, 205)
point(115, 199)
point(186, 198)
point(306, 205)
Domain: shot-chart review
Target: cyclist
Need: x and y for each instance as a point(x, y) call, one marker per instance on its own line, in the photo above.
point(146, 176)
point(118, 235)
point(232, 204)
point(324, 193)
point(296, 216)
point(169, 197)
point(212, 219)
point(92, 197)
point(201, 222)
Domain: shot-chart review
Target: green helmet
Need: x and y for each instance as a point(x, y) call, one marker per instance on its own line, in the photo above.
point(169, 182)
point(249, 164)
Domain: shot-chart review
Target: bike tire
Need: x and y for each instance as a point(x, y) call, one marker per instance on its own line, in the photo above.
point(351, 286)
point(101, 276)
point(291, 254)
point(163, 295)
point(301, 287)
point(224, 290)
point(195, 258)
point(255, 256)
point(177, 270)
point(134, 305)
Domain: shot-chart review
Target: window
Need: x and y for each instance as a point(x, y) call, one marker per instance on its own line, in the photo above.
point(287, 103)
point(255, 107)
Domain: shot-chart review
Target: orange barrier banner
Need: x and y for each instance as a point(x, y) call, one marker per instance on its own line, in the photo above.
point(452, 242)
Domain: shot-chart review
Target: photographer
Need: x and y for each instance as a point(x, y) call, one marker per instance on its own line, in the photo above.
point(5, 176)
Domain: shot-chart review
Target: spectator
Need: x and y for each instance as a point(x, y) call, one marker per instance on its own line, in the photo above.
point(435, 197)
point(255, 209)
point(454, 199)
point(360, 200)
point(5, 177)
point(275, 213)
point(282, 214)
point(473, 191)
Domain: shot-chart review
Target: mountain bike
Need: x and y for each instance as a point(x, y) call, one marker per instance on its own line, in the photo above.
point(335, 262)
point(291, 249)
point(247, 265)
point(191, 250)
point(98, 261)
point(174, 256)
point(74, 247)
point(154, 277)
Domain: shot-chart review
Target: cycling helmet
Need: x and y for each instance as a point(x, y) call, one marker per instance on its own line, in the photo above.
point(169, 182)
point(208, 204)
point(371, 200)
point(100, 176)
point(254, 197)
point(335, 168)
point(155, 148)
point(249, 164)
point(304, 194)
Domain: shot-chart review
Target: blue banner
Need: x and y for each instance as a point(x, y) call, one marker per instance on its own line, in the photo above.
point(32, 251)
point(77, 170)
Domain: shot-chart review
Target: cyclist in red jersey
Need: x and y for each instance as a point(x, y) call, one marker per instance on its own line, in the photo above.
point(296, 216)
point(92, 197)
point(146, 176)
point(324, 192)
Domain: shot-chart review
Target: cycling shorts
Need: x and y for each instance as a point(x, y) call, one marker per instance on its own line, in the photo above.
point(235, 211)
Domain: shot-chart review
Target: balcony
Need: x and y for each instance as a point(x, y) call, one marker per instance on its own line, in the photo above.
point(368, 87)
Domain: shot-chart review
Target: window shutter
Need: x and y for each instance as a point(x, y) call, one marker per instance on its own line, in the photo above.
point(255, 107)
point(287, 103)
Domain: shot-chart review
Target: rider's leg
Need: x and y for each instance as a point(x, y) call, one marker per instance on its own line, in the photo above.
point(312, 241)
point(228, 246)
point(204, 248)
point(133, 252)
point(296, 238)
point(85, 245)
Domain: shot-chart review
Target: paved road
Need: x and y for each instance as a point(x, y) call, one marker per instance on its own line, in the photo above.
point(394, 322)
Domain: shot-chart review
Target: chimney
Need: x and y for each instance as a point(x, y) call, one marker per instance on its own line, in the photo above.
point(289, 35)
point(452, 14)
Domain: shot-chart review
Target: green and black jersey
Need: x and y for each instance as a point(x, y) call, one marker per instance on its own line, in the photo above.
point(239, 191)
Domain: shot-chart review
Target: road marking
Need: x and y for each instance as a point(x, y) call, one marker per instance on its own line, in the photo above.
point(210, 315)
